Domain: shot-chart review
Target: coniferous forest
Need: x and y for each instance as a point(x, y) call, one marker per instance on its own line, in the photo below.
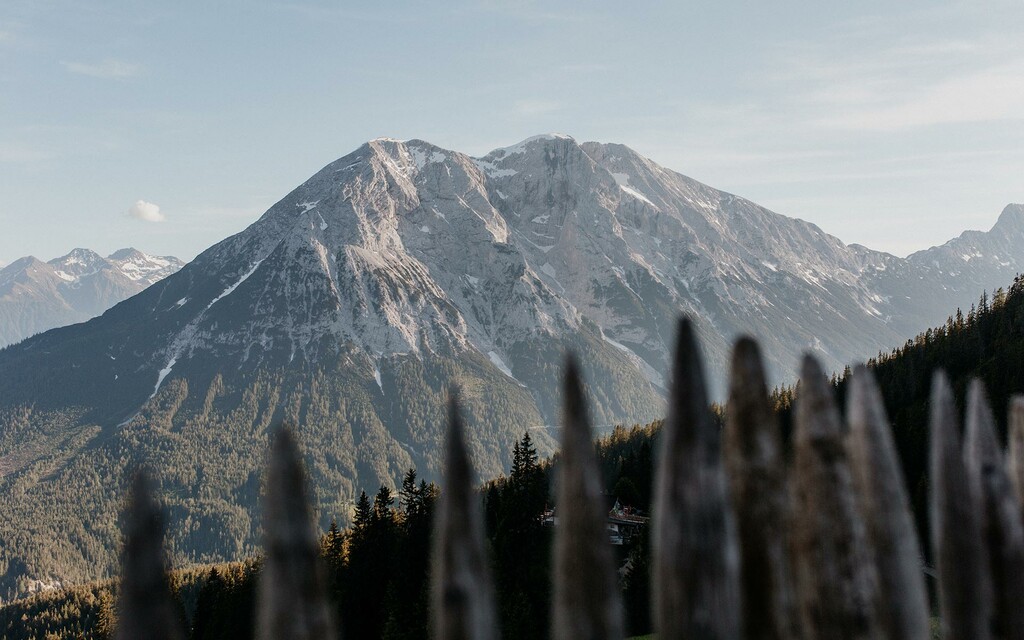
point(378, 566)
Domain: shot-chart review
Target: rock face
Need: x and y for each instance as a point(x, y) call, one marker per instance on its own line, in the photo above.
point(36, 296)
point(401, 268)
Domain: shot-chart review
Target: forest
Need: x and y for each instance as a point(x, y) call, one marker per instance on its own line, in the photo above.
point(378, 566)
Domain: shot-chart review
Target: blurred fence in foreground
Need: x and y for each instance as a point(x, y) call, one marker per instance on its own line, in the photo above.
point(745, 545)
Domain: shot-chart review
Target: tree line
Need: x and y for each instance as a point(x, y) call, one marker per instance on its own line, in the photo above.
point(378, 567)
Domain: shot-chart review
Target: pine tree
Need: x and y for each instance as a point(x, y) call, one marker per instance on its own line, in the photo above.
point(408, 594)
point(522, 546)
point(207, 605)
point(334, 546)
point(361, 518)
point(409, 498)
point(382, 514)
point(106, 620)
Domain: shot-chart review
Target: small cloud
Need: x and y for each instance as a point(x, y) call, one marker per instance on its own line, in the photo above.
point(107, 69)
point(536, 107)
point(146, 211)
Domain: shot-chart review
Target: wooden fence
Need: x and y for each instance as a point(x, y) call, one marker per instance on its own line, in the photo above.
point(745, 545)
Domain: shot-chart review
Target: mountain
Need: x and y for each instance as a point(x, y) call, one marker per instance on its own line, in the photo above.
point(352, 304)
point(36, 296)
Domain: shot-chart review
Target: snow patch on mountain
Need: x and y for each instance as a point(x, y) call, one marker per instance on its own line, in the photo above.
point(163, 374)
point(500, 364)
point(231, 289)
point(421, 157)
point(622, 179)
point(493, 170)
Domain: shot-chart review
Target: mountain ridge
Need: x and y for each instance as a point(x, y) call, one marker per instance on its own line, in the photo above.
point(399, 269)
point(36, 296)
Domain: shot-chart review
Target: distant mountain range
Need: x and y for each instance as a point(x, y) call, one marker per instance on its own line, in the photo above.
point(36, 296)
point(352, 304)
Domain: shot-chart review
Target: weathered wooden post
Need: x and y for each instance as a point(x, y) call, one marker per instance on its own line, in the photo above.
point(695, 581)
point(292, 593)
point(146, 608)
point(903, 603)
point(757, 480)
point(965, 591)
point(587, 604)
point(462, 595)
point(1001, 524)
point(1016, 447)
point(837, 586)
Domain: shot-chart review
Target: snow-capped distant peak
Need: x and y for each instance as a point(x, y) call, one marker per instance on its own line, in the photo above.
point(141, 267)
point(73, 288)
point(77, 264)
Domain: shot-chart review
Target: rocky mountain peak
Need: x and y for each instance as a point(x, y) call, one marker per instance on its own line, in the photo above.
point(142, 267)
point(77, 264)
point(128, 253)
point(1012, 217)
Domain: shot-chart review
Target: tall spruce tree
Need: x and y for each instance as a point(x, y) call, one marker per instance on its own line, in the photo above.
point(522, 546)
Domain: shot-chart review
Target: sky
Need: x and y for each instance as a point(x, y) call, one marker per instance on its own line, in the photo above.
point(169, 126)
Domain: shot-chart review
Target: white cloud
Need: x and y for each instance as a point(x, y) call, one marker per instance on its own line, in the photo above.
point(146, 211)
point(107, 69)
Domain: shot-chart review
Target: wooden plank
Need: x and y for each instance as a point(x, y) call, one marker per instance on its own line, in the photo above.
point(903, 605)
point(292, 592)
point(1016, 447)
point(965, 594)
point(695, 581)
point(462, 593)
point(587, 603)
point(1001, 523)
point(836, 582)
point(146, 608)
point(760, 498)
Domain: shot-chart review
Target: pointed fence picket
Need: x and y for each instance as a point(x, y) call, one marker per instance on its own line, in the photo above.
point(745, 546)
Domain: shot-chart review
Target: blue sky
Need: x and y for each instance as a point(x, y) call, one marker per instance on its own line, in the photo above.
point(893, 127)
